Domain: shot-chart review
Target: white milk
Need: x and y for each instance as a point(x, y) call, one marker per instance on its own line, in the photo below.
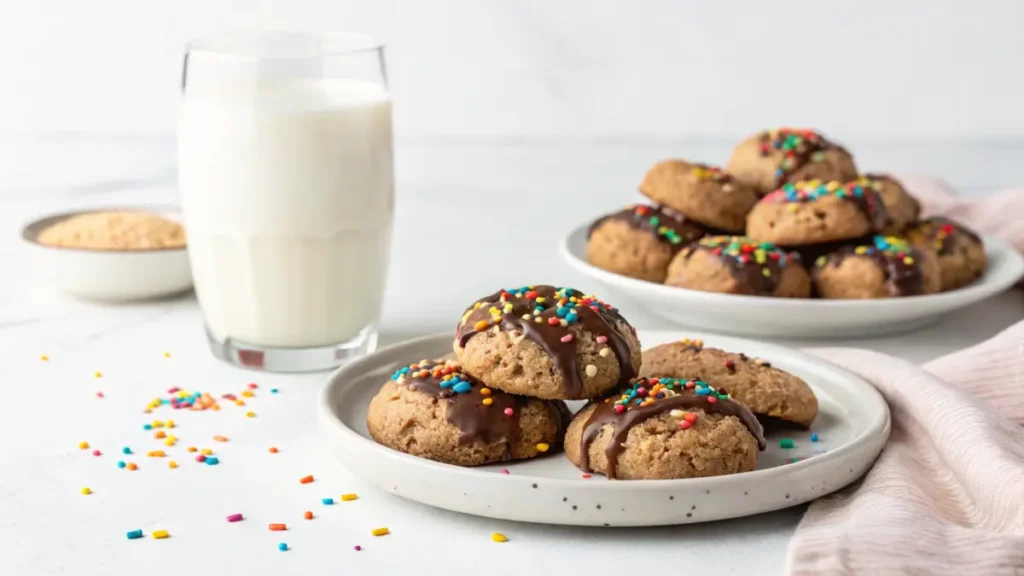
point(287, 191)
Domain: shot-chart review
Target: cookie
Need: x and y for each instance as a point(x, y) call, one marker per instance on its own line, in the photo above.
point(546, 342)
point(664, 428)
point(735, 265)
point(700, 192)
point(639, 241)
point(960, 252)
point(768, 160)
point(434, 410)
point(814, 212)
point(885, 268)
point(773, 395)
point(903, 209)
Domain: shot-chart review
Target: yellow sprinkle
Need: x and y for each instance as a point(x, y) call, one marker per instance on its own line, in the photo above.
point(480, 325)
point(44, 358)
point(191, 448)
point(766, 272)
point(83, 445)
point(792, 207)
point(239, 403)
point(156, 454)
point(158, 424)
point(215, 407)
point(485, 391)
point(380, 531)
point(499, 537)
point(86, 491)
point(908, 260)
point(167, 354)
point(861, 250)
point(206, 451)
point(98, 374)
point(542, 447)
point(250, 414)
point(169, 423)
point(348, 497)
point(248, 394)
point(677, 413)
point(487, 401)
point(172, 464)
point(182, 394)
point(169, 442)
point(160, 534)
point(759, 256)
point(541, 299)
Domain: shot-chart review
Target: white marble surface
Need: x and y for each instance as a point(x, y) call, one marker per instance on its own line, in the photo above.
point(490, 215)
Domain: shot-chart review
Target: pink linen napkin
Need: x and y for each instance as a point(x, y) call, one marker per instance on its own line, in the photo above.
point(946, 496)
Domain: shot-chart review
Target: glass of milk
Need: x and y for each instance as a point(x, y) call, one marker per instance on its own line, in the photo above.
point(287, 187)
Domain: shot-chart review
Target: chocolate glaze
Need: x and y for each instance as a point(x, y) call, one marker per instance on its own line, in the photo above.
point(480, 423)
point(801, 156)
point(621, 424)
point(811, 252)
point(749, 274)
point(686, 230)
point(903, 279)
point(549, 337)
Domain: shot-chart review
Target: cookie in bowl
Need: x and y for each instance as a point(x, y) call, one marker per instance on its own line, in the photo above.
point(547, 342)
point(960, 252)
point(769, 159)
point(639, 241)
point(737, 265)
point(775, 396)
point(702, 193)
point(815, 212)
point(434, 410)
point(664, 428)
point(885, 268)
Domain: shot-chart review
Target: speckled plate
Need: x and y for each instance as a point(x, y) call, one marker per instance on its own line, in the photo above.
point(797, 317)
point(852, 426)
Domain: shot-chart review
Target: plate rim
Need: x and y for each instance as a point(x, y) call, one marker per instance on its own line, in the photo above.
point(879, 426)
point(991, 282)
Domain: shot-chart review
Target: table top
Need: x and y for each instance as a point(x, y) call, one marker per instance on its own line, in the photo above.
point(49, 407)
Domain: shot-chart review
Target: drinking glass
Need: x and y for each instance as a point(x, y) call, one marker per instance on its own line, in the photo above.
point(287, 184)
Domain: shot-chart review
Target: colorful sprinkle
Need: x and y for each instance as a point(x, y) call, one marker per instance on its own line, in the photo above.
point(134, 534)
point(307, 515)
point(250, 414)
point(542, 447)
point(380, 531)
point(156, 454)
point(358, 547)
point(306, 479)
point(566, 339)
point(132, 466)
point(348, 497)
point(508, 412)
point(212, 461)
point(219, 438)
point(206, 451)
point(277, 527)
point(814, 437)
point(86, 491)
point(201, 458)
point(786, 443)
point(97, 453)
point(121, 464)
point(44, 358)
point(273, 390)
point(83, 445)
point(172, 464)
point(283, 547)
point(160, 534)
point(98, 374)
point(272, 450)
point(591, 370)
point(499, 537)
point(327, 501)
point(126, 450)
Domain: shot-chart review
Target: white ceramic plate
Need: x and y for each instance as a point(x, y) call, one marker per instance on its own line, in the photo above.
point(109, 275)
point(853, 425)
point(796, 317)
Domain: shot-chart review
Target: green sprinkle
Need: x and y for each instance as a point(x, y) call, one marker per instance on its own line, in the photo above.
point(786, 443)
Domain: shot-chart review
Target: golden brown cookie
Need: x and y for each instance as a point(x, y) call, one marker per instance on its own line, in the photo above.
point(771, 394)
point(769, 159)
point(735, 265)
point(664, 428)
point(814, 212)
point(960, 252)
point(885, 268)
point(639, 241)
point(554, 343)
point(435, 410)
point(902, 208)
point(700, 192)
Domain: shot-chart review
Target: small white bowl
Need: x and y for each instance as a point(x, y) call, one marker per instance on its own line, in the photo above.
point(109, 275)
point(798, 317)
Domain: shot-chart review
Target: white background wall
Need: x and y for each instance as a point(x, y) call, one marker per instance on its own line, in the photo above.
point(543, 69)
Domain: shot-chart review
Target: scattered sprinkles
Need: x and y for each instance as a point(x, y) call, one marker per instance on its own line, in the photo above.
point(134, 534)
point(348, 497)
point(703, 173)
point(380, 531)
point(160, 534)
point(277, 527)
point(499, 537)
point(647, 391)
point(743, 251)
point(658, 222)
point(798, 146)
point(327, 501)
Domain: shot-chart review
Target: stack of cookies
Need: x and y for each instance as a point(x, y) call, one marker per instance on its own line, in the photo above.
point(520, 353)
point(789, 217)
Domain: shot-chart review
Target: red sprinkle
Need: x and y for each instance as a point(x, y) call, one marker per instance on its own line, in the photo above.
point(97, 453)
point(712, 399)
point(553, 321)
point(587, 476)
point(690, 417)
point(567, 338)
point(505, 471)
point(173, 390)
point(509, 412)
point(683, 424)
point(358, 547)
point(619, 408)
point(201, 458)
point(99, 394)
point(307, 515)
point(601, 339)
point(306, 479)
point(278, 527)
point(253, 386)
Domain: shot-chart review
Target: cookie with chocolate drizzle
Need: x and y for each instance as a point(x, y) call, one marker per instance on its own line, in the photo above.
point(903, 208)
point(960, 252)
point(885, 268)
point(768, 160)
point(435, 410)
point(664, 428)
point(735, 265)
point(816, 211)
point(547, 342)
point(639, 241)
point(703, 193)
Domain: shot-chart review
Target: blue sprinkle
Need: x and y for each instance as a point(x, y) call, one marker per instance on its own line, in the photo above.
point(273, 390)
point(779, 172)
point(327, 501)
point(448, 383)
point(461, 387)
point(702, 391)
point(282, 547)
point(134, 534)
point(126, 450)
point(562, 311)
point(147, 426)
point(571, 317)
point(639, 401)
point(212, 460)
point(121, 464)
point(814, 437)
point(404, 370)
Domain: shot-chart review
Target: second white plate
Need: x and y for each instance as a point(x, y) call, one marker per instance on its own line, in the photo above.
point(852, 427)
point(796, 317)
